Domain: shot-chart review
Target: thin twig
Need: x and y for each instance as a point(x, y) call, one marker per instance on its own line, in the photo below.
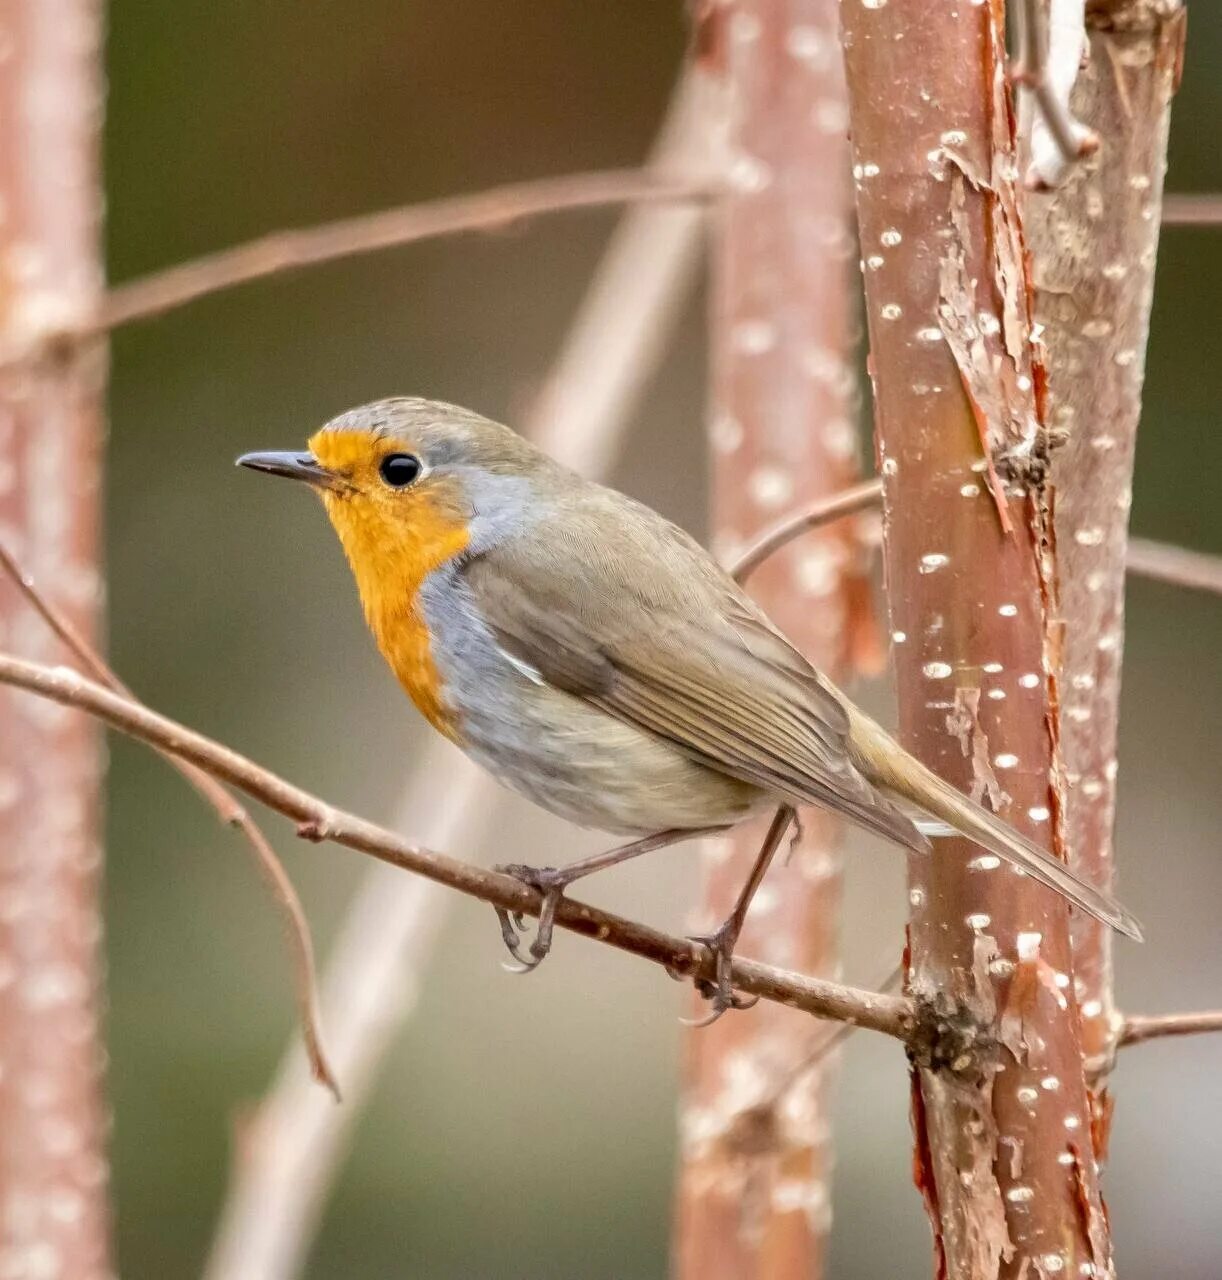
point(1050, 50)
point(284, 251)
point(227, 809)
point(1158, 561)
point(1137, 1029)
point(847, 502)
point(1192, 210)
point(1196, 570)
point(318, 821)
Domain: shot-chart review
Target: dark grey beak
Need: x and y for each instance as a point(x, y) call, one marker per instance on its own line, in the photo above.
point(296, 466)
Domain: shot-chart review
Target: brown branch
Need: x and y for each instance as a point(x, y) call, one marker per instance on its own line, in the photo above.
point(319, 821)
point(1162, 562)
point(1192, 210)
point(1138, 1029)
point(858, 497)
point(227, 810)
point(284, 251)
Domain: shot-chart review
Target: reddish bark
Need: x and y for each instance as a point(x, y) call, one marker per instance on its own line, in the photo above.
point(1002, 1096)
point(753, 1191)
point(52, 1165)
point(1093, 245)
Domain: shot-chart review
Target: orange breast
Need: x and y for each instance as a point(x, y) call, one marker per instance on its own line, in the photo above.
point(406, 646)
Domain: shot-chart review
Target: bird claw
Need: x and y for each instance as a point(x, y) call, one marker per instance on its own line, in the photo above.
point(719, 993)
point(550, 883)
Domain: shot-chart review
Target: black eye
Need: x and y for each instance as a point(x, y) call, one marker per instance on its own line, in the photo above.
point(399, 469)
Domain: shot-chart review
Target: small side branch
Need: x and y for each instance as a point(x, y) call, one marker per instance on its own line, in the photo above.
point(1051, 43)
point(317, 820)
point(1137, 1029)
point(285, 251)
point(227, 810)
point(1158, 561)
point(1179, 566)
point(858, 497)
point(1192, 210)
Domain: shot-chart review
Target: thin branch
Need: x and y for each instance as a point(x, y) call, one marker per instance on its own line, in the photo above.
point(1137, 1030)
point(1192, 210)
point(227, 810)
point(1051, 45)
point(847, 502)
point(1158, 561)
point(284, 251)
point(1196, 570)
point(316, 820)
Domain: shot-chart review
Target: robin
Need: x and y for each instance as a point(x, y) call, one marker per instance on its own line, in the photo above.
point(594, 658)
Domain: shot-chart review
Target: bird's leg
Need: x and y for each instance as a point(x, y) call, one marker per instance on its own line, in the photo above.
point(551, 882)
point(720, 993)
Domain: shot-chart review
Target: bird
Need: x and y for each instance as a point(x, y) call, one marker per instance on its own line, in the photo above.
point(593, 657)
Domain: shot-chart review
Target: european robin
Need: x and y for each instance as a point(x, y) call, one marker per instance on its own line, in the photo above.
point(593, 657)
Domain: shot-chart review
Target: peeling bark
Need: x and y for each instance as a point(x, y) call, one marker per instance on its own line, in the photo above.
point(53, 1215)
point(1093, 245)
point(753, 1197)
point(1000, 1102)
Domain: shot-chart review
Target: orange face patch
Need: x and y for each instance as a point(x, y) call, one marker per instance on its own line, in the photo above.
point(393, 539)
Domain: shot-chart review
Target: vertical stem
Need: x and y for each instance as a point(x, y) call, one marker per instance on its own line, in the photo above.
point(1093, 244)
point(1000, 1107)
point(753, 1196)
point(53, 1214)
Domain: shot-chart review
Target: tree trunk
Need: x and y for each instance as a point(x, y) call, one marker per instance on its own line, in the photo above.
point(53, 1173)
point(1004, 1152)
point(1093, 245)
point(753, 1196)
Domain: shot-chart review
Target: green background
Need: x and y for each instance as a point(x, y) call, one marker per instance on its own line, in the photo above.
point(520, 1128)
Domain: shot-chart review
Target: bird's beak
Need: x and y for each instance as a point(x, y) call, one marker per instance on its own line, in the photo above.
point(297, 466)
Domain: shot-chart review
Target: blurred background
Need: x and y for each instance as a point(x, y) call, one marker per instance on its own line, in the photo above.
point(521, 1127)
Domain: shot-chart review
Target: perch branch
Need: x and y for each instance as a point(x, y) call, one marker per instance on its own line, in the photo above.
point(227, 810)
point(318, 821)
point(284, 251)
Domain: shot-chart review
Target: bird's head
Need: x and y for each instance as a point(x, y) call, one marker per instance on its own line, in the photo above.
point(409, 484)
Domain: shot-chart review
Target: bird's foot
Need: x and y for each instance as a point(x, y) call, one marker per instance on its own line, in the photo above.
point(720, 992)
point(551, 883)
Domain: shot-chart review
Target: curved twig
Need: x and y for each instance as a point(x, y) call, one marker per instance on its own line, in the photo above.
point(228, 810)
point(1158, 561)
point(858, 497)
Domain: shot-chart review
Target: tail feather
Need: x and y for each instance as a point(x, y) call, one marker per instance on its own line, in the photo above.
point(888, 766)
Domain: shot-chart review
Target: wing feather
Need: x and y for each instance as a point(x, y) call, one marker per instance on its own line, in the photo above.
point(680, 651)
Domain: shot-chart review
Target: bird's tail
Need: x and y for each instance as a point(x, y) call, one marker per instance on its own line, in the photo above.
point(890, 767)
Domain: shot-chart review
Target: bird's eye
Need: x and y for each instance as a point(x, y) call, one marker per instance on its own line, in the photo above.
point(400, 469)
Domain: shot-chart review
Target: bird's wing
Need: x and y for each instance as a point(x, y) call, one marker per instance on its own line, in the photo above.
point(641, 623)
